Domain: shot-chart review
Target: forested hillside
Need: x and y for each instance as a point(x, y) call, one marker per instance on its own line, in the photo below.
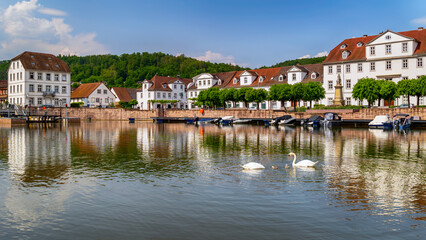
point(301, 61)
point(126, 70)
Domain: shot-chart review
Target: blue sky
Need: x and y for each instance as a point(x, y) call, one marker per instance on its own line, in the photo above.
point(249, 33)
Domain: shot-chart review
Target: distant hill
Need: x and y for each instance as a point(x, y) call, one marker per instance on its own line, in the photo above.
point(302, 61)
point(127, 70)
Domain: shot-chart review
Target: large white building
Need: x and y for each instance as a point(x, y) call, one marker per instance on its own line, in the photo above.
point(163, 88)
point(37, 79)
point(93, 95)
point(390, 55)
point(258, 79)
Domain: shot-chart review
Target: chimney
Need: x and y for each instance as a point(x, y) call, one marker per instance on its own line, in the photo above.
point(420, 28)
point(365, 35)
point(178, 76)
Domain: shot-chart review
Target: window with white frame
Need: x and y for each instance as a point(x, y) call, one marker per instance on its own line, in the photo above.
point(31, 75)
point(56, 89)
point(372, 51)
point(419, 62)
point(388, 37)
point(158, 95)
point(64, 77)
point(48, 76)
point(39, 101)
point(235, 80)
point(99, 91)
point(330, 85)
point(348, 84)
point(48, 88)
point(31, 101)
point(388, 49)
point(404, 63)
point(245, 80)
point(31, 88)
point(294, 77)
point(281, 78)
point(359, 67)
point(339, 69)
point(330, 101)
point(388, 65)
point(330, 69)
point(261, 79)
point(345, 54)
point(39, 76)
point(64, 89)
point(373, 66)
point(39, 88)
point(169, 95)
point(348, 101)
point(56, 77)
point(404, 47)
point(313, 75)
point(164, 95)
point(348, 68)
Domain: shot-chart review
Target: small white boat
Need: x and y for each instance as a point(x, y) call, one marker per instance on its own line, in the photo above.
point(227, 120)
point(241, 121)
point(381, 121)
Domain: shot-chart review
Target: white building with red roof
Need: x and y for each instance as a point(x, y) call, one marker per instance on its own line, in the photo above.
point(38, 79)
point(164, 89)
point(390, 55)
point(258, 79)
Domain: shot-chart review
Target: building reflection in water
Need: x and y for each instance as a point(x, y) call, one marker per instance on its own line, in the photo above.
point(376, 171)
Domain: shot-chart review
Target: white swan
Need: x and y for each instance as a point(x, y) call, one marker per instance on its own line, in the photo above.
point(253, 166)
point(303, 163)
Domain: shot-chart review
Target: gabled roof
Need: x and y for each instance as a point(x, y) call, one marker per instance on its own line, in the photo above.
point(270, 76)
point(42, 62)
point(84, 90)
point(224, 77)
point(358, 53)
point(159, 81)
point(124, 94)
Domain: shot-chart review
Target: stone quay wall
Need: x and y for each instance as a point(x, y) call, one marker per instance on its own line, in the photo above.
point(125, 114)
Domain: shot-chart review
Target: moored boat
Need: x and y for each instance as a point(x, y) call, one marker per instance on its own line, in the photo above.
point(381, 121)
point(401, 121)
point(331, 119)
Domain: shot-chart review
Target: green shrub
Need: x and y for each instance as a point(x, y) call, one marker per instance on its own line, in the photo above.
point(76, 104)
point(320, 106)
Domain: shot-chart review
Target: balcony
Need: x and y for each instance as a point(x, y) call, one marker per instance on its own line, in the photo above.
point(49, 94)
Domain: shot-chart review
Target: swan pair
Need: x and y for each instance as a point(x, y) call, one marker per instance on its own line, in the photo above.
point(258, 166)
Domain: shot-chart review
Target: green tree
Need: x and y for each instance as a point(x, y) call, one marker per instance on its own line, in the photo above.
point(419, 88)
point(368, 89)
point(213, 96)
point(133, 102)
point(407, 88)
point(202, 97)
point(314, 91)
point(226, 96)
point(298, 92)
point(388, 91)
point(231, 92)
point(240, 95)
point(256, 95)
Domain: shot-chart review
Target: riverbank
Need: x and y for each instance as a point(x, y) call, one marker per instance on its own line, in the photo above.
point(113, 114)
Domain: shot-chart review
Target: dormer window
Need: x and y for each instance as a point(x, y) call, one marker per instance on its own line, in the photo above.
point(345, 54)
point(343, 46)
point(281, 78)
point(219, 82)
point(261, 79)
point(359, 44)
point(313, 75)
point(164, 85)
point(235, 80)
point(388, 37)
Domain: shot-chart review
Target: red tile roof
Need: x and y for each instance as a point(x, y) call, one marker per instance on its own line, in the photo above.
point(358, 53)
point(124, 94)
point(42, 61)
point(160, 83)
point(84, 90)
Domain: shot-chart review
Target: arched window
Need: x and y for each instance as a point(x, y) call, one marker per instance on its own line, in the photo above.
point(313, 75)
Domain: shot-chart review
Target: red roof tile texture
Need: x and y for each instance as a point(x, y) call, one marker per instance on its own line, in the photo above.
point(358, 53)
point(42, 62)
point(160, 83)
point(84, 90)
point(124, 94)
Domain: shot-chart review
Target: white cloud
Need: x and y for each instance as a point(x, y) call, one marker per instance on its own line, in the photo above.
point(217, 58)
point(53, 12)
point(419, 21)
point(305, 56)
point(24, 31)
point(320, 54)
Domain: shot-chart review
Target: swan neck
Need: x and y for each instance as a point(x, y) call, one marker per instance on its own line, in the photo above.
point(294, 159)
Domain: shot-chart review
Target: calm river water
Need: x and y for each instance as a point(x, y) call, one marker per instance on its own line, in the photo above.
point(115, 180)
